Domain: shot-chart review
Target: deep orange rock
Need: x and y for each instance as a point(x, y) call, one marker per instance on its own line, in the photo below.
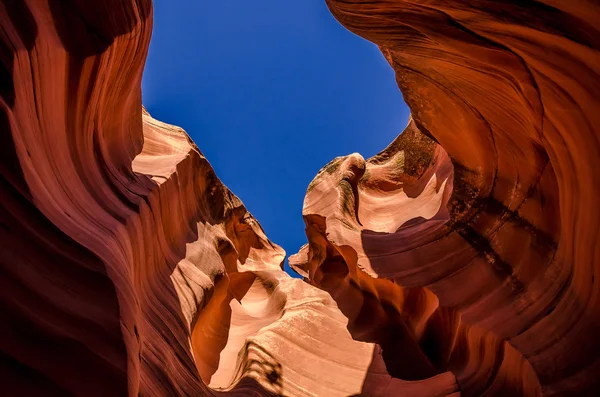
point(474, 234)
point(127, 267)
point(461, 260)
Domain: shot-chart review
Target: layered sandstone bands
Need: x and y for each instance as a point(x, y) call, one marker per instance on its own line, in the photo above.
point(486, 243)
point(127, 267)
point(459, 261)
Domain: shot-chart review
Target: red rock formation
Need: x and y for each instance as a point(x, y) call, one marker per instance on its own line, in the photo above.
point(478, 246)
point(459, 261)
point(127, 267)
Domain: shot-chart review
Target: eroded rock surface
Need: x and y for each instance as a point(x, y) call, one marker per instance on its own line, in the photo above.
point(127, 267)
point(474, 234)
point(461, 260)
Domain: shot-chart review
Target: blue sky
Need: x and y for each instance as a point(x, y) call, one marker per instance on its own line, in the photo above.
point(270, 90)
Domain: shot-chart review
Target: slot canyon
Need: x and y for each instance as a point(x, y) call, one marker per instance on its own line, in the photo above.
point(459, 261)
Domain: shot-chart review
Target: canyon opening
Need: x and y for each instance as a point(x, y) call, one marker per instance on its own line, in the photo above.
point(460, 260)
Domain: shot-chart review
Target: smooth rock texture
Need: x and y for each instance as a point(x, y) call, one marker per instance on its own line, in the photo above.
point(461, 260)
point(470, 244)
point(127, 267)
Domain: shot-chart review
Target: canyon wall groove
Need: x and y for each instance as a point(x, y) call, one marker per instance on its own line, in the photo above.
point(461, 260)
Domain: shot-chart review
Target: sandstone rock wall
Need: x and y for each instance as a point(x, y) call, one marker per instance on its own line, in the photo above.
point(461, 260)
point(127, 267)
point(481, 244)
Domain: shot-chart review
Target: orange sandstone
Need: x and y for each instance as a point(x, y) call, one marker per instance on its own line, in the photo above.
point(461, 260)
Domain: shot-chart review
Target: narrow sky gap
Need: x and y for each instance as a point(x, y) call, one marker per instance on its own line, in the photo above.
point(270, 91)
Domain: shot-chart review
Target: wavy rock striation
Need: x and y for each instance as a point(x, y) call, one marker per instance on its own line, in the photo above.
point(127, 267)
point(461, 260)
point(470, 243)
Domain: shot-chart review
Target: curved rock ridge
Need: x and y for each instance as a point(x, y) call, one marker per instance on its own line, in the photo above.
point(461, 260)
point(470, 243)
point(127, 267)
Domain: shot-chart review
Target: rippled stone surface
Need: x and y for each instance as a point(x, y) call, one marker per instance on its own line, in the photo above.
point(461, 260)
point(474, 234)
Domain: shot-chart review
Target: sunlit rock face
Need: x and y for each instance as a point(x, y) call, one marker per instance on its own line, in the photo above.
point(461, 260)
point(127, 267)
point(470, 244)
